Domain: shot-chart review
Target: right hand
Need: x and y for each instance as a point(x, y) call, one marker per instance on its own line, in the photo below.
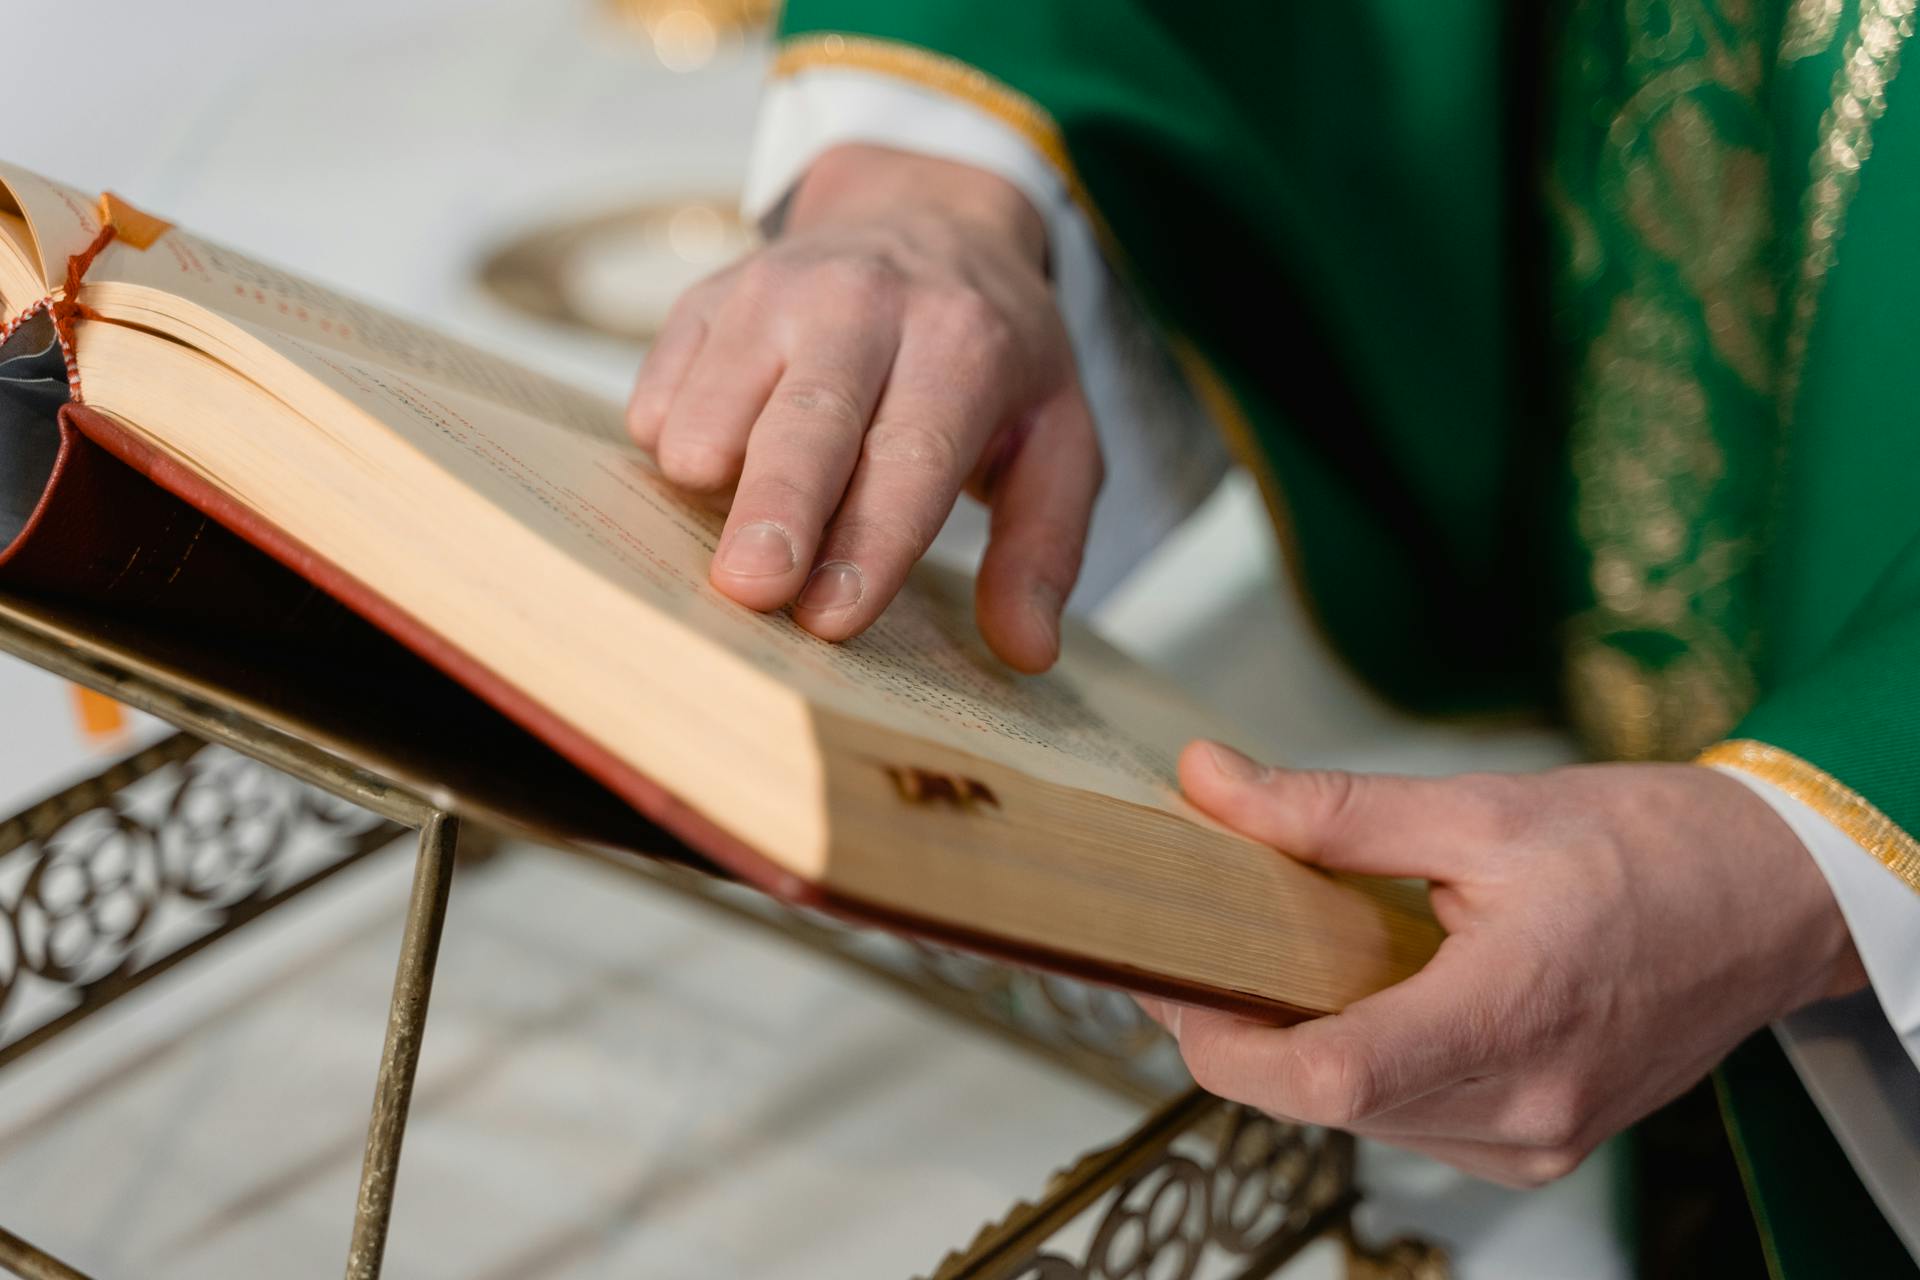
point(896, 345)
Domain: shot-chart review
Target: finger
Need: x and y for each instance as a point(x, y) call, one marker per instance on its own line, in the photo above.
point(938, 410)
point(661, 374)
point(703, 439)
point(799, 457)
point(1346, 1069)
point(1367, 823)
point(1519, 1167)
point(1042, 496)
point(1525, 1108)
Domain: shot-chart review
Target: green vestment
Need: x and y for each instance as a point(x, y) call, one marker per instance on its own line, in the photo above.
point(1569, 340)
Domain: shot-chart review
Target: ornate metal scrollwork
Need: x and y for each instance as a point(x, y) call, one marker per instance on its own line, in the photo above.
point(1206, 1183)
point(1202, 1186)
point(111, 881)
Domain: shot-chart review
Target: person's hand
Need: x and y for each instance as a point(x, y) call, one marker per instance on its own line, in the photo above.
point(898, 343)
point(1613, 930)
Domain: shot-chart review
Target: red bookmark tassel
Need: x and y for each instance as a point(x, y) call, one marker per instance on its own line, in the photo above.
point(67, 309)
point(70, 309)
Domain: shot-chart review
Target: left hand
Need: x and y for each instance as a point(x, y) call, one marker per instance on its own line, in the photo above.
point(1613, 931)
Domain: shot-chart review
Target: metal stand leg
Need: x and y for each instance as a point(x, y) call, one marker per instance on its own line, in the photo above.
point(22, 1259)
point(406, 1021)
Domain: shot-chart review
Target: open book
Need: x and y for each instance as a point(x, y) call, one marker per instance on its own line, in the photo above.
point(501, 525)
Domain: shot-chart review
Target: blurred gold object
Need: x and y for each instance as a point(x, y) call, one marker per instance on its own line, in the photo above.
point(686, 33)
point(617, 273)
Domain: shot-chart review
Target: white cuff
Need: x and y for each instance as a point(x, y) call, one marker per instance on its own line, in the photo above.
point(1163, 455)
point(1881, 912)
point(1859, 1057)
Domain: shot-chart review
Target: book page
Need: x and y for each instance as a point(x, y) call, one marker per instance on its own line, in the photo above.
point(238, 287)
point(589, 493)
point(921, 670)
point(64, 221)
point(923, 663)
point(20, 283)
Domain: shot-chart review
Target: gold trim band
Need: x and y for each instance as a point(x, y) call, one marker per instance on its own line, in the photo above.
point(942, 74)
point(1831, 798)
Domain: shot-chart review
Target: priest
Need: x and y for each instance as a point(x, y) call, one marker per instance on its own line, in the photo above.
point(1570, 346)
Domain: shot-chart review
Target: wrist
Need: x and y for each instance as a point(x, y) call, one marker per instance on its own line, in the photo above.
point(1825, 961)
point(857, 182)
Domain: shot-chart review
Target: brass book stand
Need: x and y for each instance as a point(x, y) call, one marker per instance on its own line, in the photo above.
point(379, 748)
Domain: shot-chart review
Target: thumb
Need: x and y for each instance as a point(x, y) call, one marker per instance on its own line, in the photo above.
point(1385, 1051)
point(1367, 823)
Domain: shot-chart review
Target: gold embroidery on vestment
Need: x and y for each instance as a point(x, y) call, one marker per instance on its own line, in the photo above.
point(1810, 28)
point(1701, 203)
point(1868, 61)
point(1659, 667)
point(1831, 798)
point(1652, 669)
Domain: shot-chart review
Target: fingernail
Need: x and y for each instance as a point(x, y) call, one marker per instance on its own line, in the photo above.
point(1235, 765)
point(834, 586)
point(758, 550)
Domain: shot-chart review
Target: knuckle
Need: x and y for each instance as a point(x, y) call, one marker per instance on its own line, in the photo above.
point(912, 447)
point(968, 314)
point(1337, 1084)
point(975, 333)
point(1556, 1122)
point(884, 537)
point(1334, 795)
point(864, 277)
point(760, 277)
point(1549, 1164)
point(691, 307)
point(781, 496)
point(698, 464)
point(827, 403)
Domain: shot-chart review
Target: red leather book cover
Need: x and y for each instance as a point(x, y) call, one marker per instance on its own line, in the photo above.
point(123, 525)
